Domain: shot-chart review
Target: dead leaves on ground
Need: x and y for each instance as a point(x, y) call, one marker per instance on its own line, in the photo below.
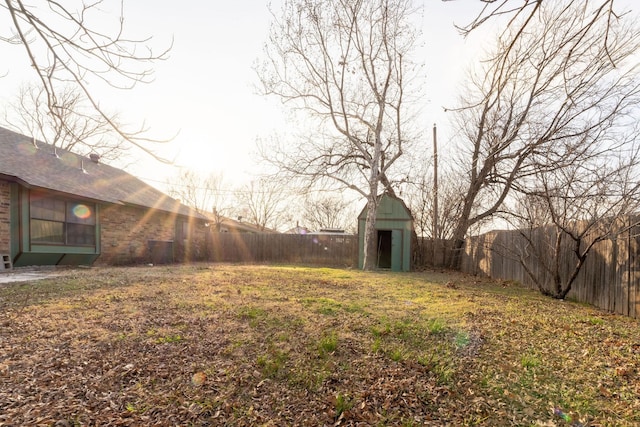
point(248, 345)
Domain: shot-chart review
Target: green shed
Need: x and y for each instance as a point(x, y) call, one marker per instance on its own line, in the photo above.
point(394, 227)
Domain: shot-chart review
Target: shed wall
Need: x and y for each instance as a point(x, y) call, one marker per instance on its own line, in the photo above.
point(394, 216)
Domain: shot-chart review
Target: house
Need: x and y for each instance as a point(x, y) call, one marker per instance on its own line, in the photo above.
point(223, 224)
point(60, 208)
point(229, 225)
point(298, 229)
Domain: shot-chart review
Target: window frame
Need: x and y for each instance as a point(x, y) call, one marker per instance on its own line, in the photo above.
point(71, 233)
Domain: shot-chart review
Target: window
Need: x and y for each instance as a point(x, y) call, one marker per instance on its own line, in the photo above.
point(184, 230)
point(61, 222)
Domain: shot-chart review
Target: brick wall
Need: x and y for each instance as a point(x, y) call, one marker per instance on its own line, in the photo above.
point(5, 201)
point(126, 232)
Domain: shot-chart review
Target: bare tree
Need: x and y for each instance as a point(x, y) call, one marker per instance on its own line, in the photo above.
point(82, 132)
point(582, 204)
point(418, 193)
point(205, 193)
point(550, 97)
point(70, 45)
point(328, 212)
point(419, 196)
point(263, 202)
point(345, 64)
point(521, 15)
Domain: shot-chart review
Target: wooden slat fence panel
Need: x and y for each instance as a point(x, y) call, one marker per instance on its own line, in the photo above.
point(609, 279)
point(428, 253)
point(330, 250)
point(634, 272)
point(338, 250)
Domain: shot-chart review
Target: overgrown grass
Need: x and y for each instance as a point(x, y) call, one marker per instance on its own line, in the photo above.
point(302, 346)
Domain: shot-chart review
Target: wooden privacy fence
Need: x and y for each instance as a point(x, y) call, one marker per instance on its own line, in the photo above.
point(430, 253)
point(329, 250)
point(326, 250)
point(609, 279)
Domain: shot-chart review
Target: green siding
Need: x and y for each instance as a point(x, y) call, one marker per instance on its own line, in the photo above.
point(391, 209)
point(26, 259)
point(392, 216)
point(15, 220)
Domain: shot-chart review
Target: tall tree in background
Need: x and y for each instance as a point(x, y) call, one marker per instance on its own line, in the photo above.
point(346, 65)
point(329, 212)
point(521, 15)
point(205, 193)
point(551, 96)
point(264, 202)
point(82, 132)
point(71, 46)
point(418, 193)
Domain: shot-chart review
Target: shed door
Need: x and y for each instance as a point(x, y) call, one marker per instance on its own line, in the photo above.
point(385, 249)
point(396, 250)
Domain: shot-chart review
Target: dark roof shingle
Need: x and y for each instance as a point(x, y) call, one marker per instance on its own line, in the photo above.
point(39, 165)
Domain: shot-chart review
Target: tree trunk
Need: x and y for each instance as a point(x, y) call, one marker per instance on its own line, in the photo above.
point(370, 261)
point(370, 241)
point(455, 257)
point(460, 232)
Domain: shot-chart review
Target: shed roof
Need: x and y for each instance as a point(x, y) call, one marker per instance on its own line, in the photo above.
point(38, 165)
point(390, 208)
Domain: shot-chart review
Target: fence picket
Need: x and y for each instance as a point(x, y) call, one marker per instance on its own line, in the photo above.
point(338, 250)
point(609, 279)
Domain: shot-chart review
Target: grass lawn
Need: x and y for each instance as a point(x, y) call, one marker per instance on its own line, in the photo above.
point(257, 345)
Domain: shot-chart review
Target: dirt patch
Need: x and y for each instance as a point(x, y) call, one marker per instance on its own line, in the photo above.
point(27, 274)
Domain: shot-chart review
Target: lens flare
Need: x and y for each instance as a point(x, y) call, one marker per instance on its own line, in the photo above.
point(558, 412)
point(81, 211)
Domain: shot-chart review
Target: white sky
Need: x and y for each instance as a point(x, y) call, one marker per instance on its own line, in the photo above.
point(204, 92)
